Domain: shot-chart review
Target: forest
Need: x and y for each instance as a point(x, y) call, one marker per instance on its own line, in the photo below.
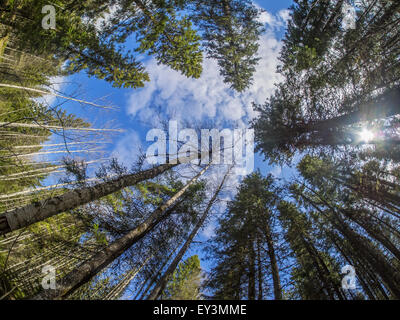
point(317, 219)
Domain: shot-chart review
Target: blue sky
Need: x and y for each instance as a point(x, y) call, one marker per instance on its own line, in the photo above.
point(169, 95)
point(191, 100)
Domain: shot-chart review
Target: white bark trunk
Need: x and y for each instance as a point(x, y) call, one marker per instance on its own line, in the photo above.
point(27, 215)
point(87, 270)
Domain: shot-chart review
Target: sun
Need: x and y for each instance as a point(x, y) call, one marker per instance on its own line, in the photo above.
point(366, 135)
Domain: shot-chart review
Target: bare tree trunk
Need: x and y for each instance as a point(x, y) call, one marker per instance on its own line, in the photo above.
point(160, 286)
point(44, 126)
point(35, 212)
point(98, 262)
point(41, 171)
point(53, 94)
point(120, 287)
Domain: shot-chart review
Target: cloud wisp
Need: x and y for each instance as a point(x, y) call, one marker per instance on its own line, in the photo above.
point(209, 98)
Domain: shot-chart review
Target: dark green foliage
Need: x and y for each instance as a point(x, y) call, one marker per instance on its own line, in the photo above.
point(336, 82)
point(245, 231)
point(230, 33)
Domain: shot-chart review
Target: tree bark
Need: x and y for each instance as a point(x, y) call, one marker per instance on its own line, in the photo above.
point(98, 262)
point(160, 286)
point(259, 270)
point(38, 211)
point(274, 265)
point(252, 271)
point(386, 105)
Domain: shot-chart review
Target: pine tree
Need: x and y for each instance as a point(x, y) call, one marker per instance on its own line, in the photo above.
point(244, 239)
point(327, 98)
point(230, 33)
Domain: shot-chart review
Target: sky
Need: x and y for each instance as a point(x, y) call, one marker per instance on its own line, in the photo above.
point(169, 95)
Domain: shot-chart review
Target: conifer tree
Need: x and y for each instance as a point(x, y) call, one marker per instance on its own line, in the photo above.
point(230, 32)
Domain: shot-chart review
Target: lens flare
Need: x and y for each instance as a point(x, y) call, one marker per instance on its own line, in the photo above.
point(366, 135)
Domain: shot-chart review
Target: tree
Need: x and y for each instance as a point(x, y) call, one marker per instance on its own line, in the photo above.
point(316, 275)
point(117, 214)
point(55, 242)
point(87, 270)
point(24, 216)
point(230, 32)
point(244, 240)
point(98, 47)
point(365, 228)
point(332, 87)
point(160, 286)
point(185, 281)
point(160, 32)
point(73, 40)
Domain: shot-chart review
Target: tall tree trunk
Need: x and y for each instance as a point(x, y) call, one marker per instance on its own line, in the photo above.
point(322, 274)
point(160, 286)
point(274, 264)
point(120, 287)
point(99, 261)
point(53, 94)
point(385, 105)
point(259, 270)
point(38, 211)
point(51, 127)
point(151, 280)
point(252, 271)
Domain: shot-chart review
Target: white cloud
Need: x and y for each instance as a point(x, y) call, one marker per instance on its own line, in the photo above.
point(194, 100)
point(128, 148)
point(209, 231)
point(207, 98)
point(284, 15)
point(56, 85)
point(277, 21)
point(276, 171)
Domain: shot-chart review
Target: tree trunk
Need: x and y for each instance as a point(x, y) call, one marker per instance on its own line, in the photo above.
point(274, 265)
point(376, 259)
point(53, 94)
point(98, 262)
point(160, 286)
point(259, 270)
point(385, 105)
point(38, 211)
point(153, 277)
point(252, 271)
point(380, 264)
point(120, 287)
point(50, 127)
